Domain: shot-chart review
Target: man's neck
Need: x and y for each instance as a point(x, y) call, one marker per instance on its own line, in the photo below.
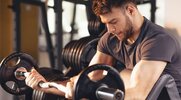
point(137, 29)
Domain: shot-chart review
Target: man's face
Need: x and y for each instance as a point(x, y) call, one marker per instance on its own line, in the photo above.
point(118, 23)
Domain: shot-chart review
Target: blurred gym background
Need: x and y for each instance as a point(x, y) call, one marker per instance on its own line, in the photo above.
point(42, 28)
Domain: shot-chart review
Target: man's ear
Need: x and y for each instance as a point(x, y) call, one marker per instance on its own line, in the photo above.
point(130, 9)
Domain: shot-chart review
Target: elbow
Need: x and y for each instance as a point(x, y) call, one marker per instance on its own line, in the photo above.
point(135, 97)
point(135, 94)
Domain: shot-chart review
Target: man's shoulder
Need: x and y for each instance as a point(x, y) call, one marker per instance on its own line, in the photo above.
point(152, 30)
point(153, 27)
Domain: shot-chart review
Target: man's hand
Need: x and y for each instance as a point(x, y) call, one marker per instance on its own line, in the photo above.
point(70, 87)
point(33, 79)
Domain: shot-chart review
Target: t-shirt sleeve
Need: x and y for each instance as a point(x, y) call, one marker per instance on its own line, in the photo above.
point(102, 45)
point(159, 47)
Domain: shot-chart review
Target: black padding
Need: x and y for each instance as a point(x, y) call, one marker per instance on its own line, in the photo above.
point(164, 89)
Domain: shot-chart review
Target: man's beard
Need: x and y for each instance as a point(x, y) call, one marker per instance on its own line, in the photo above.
point(128, 30)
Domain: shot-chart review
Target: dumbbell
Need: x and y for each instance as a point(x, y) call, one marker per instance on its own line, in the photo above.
point(13, 71)
point(16, 66)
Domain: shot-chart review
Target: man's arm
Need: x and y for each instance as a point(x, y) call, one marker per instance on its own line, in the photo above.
point(143, 77)
point(34, 78)
point(125, 75)
point(100, 58)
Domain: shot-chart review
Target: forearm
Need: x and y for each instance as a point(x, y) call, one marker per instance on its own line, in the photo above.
point(134, 94)
point(125, 75)
point(53, 91)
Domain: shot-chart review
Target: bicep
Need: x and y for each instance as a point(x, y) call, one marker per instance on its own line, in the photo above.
point(145, 74)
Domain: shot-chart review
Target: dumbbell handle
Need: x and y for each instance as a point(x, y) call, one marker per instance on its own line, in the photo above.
point(45, 84)
point(105, 93)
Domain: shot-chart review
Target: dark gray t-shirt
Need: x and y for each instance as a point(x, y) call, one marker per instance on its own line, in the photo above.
point(153, 43)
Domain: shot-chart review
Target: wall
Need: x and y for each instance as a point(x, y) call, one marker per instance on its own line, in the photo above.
point(5, 37)
point(30, 29)
point(6, 28)
point(173, 15)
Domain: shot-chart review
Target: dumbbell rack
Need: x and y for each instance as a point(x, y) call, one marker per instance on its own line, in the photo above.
point(55, 61)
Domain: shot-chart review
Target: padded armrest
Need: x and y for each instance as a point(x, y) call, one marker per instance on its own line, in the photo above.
point(168, 82)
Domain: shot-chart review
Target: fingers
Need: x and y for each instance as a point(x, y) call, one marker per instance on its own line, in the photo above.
point(74, 79)
point(70, 87)
point(69, 91)
point(33, 79)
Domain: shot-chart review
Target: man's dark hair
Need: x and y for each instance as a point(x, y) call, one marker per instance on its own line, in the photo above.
point(104, 6)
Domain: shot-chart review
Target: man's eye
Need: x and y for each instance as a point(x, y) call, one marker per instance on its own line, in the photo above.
point(114, 22)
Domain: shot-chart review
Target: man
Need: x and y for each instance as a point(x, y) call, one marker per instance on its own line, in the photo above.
point(146, 50)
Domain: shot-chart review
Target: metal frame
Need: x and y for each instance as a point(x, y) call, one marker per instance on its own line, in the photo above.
point(59, 34)
point(17, 11)
point(153, 7)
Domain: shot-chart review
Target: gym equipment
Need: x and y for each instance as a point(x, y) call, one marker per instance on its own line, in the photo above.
point(164, 89)
point(110, 87)
point(96, 27)
point(16, 66)
point(14, 69)
point(9, 80)
point(103, 89)
point(77, 54)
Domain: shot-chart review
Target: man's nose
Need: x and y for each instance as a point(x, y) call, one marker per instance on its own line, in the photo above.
point(111, 29)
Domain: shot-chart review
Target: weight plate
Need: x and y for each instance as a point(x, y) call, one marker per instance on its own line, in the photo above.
point(85, 88)
point(8, 68)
